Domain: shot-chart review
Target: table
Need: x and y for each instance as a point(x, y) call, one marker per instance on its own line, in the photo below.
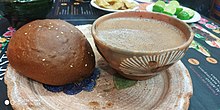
point(202, 58)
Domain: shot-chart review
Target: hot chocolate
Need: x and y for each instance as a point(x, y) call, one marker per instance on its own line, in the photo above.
point(140, 34)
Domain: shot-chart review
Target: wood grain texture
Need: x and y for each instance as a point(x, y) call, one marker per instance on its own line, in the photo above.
point(171, 89)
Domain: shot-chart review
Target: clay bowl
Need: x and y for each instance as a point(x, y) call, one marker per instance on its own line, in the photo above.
point(141, 65)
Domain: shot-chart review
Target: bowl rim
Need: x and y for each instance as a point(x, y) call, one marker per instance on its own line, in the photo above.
point(120, 50)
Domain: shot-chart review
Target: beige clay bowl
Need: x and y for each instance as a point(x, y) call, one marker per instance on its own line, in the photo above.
point(142, 65)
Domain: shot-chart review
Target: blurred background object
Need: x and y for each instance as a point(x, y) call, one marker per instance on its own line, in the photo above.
point(215, 11)
point(207, 8)
point(20, 12)
point(201, 6)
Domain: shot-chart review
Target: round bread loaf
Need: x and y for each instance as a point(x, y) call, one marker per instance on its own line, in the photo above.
point(53, 52)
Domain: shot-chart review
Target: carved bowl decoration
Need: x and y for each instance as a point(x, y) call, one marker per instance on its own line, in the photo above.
point(145, 64)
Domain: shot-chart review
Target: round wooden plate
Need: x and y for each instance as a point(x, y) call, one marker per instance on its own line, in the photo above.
point(170, 90)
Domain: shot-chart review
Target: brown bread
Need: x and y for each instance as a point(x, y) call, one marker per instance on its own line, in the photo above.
point(53, 52)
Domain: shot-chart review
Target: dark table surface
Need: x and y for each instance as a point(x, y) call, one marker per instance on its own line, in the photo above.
point(202, 58)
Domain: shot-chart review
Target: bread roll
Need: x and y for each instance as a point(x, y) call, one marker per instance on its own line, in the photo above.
point(53, 52)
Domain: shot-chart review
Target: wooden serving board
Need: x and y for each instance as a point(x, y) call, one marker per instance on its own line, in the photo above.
point(170, 90)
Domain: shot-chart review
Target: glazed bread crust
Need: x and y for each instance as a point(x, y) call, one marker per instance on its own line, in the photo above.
point(53, 52)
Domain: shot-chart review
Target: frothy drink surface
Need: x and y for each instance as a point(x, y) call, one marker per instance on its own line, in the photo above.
point(140, 34)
